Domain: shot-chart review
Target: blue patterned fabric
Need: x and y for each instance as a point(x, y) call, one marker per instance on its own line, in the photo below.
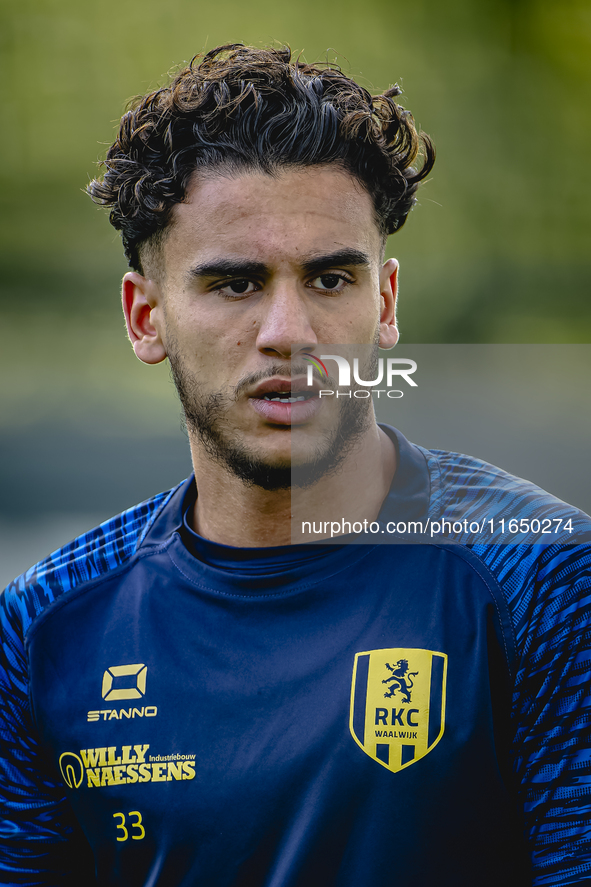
point(548, 592)
point(35, 818)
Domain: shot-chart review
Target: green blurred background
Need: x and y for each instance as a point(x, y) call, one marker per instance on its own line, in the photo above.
point(496, 252)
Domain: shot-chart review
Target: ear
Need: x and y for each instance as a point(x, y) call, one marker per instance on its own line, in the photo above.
point(142, 306)
point(388, 293)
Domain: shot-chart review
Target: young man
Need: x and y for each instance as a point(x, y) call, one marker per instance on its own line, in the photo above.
point(187, 698)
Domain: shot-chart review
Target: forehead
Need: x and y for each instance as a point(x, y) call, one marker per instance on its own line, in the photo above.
point(271, 218)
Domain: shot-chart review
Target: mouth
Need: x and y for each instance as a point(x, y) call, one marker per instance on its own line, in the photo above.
point(285, 402)
point(288, 397)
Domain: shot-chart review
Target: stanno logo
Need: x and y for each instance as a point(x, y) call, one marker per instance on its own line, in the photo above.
point(398, 704)
point(136, 691)
point(124, 682)
point(108, 714)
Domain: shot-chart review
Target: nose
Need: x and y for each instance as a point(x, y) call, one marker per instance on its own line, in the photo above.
point(285, 322)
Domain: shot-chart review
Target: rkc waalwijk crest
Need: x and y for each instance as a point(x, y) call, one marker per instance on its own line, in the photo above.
point(398, 704)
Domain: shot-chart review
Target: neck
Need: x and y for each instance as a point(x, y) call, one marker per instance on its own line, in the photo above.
point(231, 512)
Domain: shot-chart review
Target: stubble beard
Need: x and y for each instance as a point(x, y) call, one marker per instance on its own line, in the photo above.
point(206, 417)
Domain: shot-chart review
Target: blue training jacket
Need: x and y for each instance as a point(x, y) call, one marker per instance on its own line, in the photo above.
point(186, 714)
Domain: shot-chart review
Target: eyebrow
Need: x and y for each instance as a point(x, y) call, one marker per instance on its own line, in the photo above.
point(226, 268)
point(229, 268)
point(341, 257)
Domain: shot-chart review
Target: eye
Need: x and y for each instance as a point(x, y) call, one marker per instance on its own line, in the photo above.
point(330, 283)
point(239, 287)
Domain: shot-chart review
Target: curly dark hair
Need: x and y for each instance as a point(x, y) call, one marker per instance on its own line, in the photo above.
point(240, 107)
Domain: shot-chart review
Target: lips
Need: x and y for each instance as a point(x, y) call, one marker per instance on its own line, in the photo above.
point(285, 402)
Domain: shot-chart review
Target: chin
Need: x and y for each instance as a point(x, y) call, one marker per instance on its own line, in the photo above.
point(299, 459)
point(273, 471)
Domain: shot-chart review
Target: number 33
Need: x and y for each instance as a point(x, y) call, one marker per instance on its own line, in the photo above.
point(137, 825)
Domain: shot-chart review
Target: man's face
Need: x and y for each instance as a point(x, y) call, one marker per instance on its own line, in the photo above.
point(253, 264)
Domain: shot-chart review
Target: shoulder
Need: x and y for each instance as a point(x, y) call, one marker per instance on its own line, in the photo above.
point(456, 475)
point(537, 547)
point(465, 488)
point(88, 557)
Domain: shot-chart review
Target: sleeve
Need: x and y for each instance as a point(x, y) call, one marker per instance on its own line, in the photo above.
point(40, 841)
point(550, 597)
